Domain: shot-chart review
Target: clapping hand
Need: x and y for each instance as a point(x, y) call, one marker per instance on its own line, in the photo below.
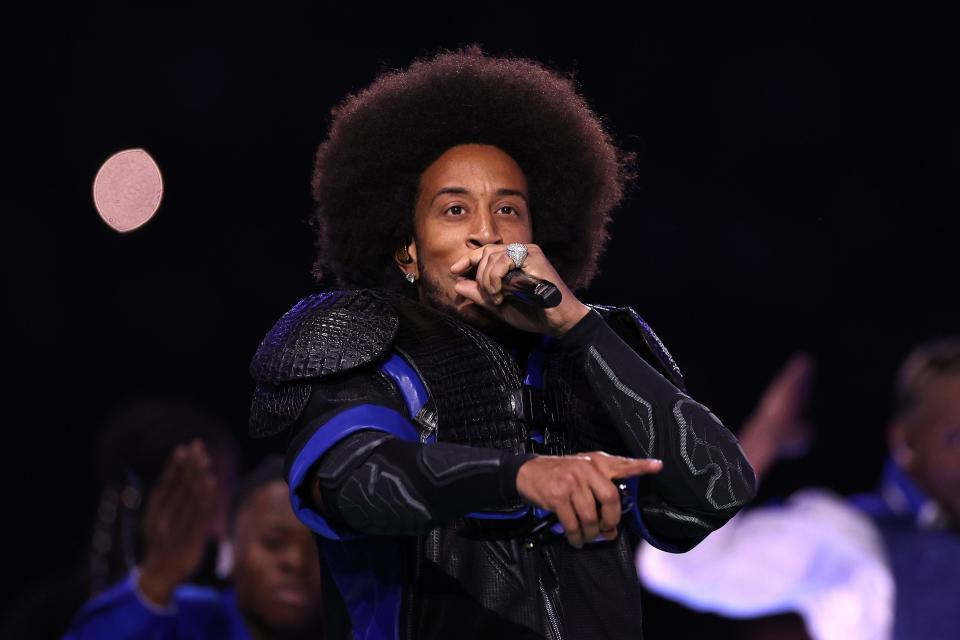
point(176, 523)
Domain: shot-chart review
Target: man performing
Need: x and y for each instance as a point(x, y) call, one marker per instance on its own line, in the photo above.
point(439, 426)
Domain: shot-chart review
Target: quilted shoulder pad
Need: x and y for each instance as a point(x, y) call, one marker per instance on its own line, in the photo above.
point(326, 333)
point(634, 330)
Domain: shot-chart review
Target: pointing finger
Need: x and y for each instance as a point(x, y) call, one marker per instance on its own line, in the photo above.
point(629, 467)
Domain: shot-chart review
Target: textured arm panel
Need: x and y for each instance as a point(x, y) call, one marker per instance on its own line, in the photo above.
point(383, 485)
point(376, 477)
point(705, 479)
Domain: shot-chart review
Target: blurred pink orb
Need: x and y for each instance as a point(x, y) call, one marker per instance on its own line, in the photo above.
point(127, 189)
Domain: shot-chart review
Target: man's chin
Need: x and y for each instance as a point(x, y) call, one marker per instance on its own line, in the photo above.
point(466, 310)
point(456, 305)
point(474, 314)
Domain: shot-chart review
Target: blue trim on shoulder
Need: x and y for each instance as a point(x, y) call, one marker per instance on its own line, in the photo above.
point(363, 417)
point(407, 381)
point(415, 395)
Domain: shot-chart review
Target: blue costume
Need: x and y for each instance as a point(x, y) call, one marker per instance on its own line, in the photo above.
point(923, 549)
point(196, 613)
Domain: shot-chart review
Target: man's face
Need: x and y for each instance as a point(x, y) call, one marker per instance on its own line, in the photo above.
point(277, 569)
point(932, 437)
point(470, 196)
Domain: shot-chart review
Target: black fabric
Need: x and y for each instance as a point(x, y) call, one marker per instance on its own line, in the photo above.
point(472, 379)
point(385, 486)
point(638, 335)
point(341, 461)
point(445, 609)
point(334, 394)
point(599, 393)
point(326, 333)
point(599, 590)
point(705, 478)
point(322, 335)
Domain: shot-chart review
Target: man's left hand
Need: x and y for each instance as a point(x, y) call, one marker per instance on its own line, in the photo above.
point(492, 263)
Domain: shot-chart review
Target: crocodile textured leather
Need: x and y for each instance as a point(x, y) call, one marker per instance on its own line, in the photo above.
point(469, 376)
point(323, 334)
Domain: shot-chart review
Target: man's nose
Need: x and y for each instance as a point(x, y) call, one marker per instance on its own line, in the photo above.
point(484, 230)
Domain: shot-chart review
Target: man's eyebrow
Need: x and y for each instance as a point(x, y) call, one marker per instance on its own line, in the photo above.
point(463, 191)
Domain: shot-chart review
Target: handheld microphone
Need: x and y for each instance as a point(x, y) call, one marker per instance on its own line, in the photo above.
point(530, 290)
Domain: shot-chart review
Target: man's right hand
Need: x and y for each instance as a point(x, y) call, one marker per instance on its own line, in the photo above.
point(573, 487)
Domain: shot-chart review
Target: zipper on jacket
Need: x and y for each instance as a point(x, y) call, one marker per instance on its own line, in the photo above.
point(433, 545)
point(551, 612)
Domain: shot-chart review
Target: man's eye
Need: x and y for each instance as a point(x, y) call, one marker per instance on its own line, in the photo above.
point(456, 210)
point(510, 210)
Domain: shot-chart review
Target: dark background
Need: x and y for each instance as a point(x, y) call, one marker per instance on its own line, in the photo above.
point(798, 191)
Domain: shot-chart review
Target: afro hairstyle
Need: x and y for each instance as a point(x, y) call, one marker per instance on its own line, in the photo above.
point(366, 173)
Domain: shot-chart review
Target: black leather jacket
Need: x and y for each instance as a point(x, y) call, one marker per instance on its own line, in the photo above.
point(416, 424)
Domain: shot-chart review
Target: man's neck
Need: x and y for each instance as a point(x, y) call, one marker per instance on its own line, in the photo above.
point(511, 338)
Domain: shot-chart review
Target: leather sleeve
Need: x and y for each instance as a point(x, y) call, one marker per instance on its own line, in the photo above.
point(706, 477)
point(408, 488)
point(356, 438)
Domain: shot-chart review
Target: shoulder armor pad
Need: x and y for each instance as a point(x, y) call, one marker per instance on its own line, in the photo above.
point(628, 324)
point(326, 333)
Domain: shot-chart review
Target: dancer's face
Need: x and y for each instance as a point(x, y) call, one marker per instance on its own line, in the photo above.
point(277, 567)
point(931, 435)
point(470, 196)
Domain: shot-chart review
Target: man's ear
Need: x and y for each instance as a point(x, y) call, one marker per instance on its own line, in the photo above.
point(406, 257)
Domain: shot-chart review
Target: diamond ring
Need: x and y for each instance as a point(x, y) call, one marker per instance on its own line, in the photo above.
point(518, 253)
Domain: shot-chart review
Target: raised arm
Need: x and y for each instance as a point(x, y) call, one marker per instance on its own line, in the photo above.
point(705, 479)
